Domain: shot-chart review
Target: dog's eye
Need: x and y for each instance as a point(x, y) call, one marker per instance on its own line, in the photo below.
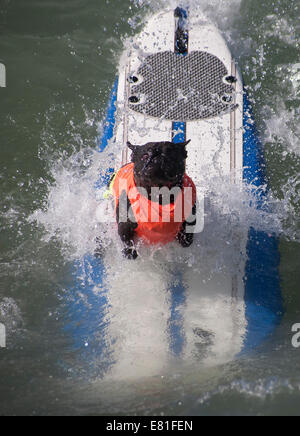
point(145, 156)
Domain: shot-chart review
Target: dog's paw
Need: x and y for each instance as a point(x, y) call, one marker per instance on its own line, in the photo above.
point(185, 239)
point(130, 253)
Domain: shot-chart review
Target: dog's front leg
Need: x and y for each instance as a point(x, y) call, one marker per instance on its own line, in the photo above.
point(184, 238)
point(127, 234)
point(126, 226)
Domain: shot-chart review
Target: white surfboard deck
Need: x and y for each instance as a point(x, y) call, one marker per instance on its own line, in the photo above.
point(214, 310)
point(208, 147)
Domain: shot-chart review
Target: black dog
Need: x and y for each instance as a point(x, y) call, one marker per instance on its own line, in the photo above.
point(160, 164)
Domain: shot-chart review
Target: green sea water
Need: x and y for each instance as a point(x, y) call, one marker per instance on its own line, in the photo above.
point(61, 59)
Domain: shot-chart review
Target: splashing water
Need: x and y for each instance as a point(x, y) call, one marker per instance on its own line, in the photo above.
point(281, 119)
point(138, 294)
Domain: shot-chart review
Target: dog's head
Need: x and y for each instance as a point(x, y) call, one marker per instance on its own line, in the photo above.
point(158, 164)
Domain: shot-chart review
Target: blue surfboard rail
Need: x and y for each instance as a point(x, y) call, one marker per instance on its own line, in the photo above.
point(263, 298)
point(108, 132)
point(109, 124)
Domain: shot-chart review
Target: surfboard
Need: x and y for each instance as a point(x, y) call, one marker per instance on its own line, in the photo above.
point(178, 80)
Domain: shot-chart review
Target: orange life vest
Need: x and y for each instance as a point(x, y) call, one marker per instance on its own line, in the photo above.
point(157, 224)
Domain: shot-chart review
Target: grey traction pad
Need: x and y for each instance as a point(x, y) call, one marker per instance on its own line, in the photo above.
point(181, 88)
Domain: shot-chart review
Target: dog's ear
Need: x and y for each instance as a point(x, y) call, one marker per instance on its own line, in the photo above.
point(186, 143)
point(131, 146)
point(183, 144)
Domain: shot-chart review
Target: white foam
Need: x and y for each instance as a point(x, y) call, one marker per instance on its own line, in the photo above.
point(281, 28)
point(71, 210)
point(282, 120)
